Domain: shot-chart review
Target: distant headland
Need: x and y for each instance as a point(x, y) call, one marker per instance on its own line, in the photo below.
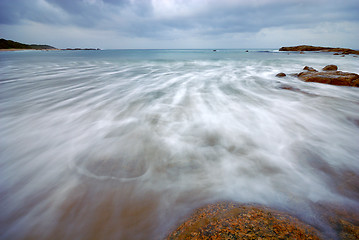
point(303, 48)
point(9, 45)
point(12, 45)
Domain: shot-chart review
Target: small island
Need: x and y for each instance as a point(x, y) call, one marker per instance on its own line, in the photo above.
point(303, 48)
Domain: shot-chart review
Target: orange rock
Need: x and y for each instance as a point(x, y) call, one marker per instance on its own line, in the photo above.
point(331, 77)
point(330, 68)
point(281, 75)
point(315, 48)
point(226, 220)
point(309, 69)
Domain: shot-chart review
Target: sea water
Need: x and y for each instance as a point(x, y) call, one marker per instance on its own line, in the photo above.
point(124, 144)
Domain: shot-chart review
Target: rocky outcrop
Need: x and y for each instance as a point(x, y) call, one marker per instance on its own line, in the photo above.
point(227, 220)
point(329, 75)
point(303, 48)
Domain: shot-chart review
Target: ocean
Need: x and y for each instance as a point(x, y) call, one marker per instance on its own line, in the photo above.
point(125, 144)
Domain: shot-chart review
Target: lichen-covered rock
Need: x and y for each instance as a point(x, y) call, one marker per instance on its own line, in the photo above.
point(226, 220)
point(330, 68)
point(343, 220)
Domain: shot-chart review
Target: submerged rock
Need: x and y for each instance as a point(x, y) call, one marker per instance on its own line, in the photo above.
point(226, 220)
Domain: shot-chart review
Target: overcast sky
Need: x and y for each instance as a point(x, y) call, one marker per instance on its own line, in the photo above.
point(110, 24)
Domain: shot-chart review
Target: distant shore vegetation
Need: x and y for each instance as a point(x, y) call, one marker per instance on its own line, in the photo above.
point(9, 44)
point(12, 45)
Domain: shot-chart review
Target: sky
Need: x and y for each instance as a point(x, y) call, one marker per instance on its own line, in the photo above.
point(176, 24)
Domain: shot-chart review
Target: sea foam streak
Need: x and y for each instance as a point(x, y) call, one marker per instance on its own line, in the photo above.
point(121, 145)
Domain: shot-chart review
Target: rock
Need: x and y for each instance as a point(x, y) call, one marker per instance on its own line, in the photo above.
point(302, 48)
point(331, 77)
point(336, 54)
point(281, 74)
point(344, 220)
point(227, 220)
point(310, 69)
point(301, 52)
point(330, 68)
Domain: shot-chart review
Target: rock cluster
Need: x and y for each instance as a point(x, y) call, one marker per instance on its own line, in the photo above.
point(328, 75)
point(226, 220)
point(302, 48)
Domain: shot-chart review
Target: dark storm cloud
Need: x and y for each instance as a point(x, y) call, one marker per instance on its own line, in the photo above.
point(157, 18)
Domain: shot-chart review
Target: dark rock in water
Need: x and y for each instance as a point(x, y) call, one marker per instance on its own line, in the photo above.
point(336, 54)
point(294, 89)
point(246, 50)
point(301, 52)
point(226, 220)
point(281, 74)
point(330, 68)
point(310, 69)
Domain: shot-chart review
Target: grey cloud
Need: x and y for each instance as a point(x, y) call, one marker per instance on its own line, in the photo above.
point(138, 18)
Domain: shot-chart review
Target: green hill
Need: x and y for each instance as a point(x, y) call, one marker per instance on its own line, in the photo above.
point(8, 44)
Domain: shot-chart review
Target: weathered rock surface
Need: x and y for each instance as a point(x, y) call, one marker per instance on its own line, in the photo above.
point(310, 69)
point(329, 75)
point(330, 68)
point(302, 48)
point(226, 220)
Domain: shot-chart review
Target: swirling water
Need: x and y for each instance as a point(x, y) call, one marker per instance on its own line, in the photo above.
point(122, 144)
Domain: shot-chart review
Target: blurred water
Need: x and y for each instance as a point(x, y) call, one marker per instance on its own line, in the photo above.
point(122, 144)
